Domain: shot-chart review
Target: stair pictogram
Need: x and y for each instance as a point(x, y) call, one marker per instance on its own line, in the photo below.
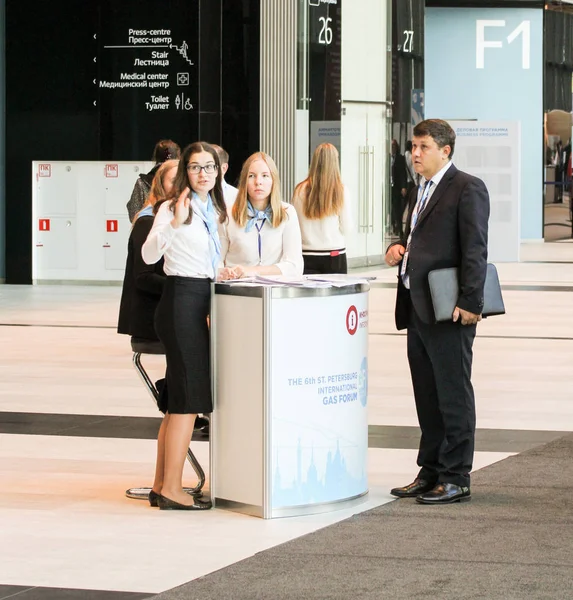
point(182, 50)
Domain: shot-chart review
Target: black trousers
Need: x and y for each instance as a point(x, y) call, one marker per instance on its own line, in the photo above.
point(440, 357)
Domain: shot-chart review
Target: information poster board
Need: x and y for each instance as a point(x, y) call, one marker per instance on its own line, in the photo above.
point(495, 73)
point(491, 150)
point(319, 416)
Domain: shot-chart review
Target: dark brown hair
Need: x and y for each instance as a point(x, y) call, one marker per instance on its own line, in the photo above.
point(182, 180)
point(440, 131)
point(165, 150)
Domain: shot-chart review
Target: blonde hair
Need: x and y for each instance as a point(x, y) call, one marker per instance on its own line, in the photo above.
point(157, 192)
point(322, 192)
point(239, 210)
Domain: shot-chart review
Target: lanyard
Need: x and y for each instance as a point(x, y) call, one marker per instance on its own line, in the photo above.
point(260, 242)
point(256, 216)
point(420, 205)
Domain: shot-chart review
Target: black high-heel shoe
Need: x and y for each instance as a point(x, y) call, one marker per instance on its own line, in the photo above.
point(167, 504)
point(154, 497)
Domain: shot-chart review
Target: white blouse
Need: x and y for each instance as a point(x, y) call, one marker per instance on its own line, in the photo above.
point(280, 246)
point(185, 249)
point(229, 193)
point(326, 233)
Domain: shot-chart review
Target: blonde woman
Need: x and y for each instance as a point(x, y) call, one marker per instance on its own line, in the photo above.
point(323, 210)
point(261, 235)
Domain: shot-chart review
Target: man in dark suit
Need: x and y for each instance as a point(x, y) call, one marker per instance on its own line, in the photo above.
point(447, 226)
point(399, 184)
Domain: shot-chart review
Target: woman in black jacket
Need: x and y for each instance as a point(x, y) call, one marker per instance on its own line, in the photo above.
point(164, 150)
point(142, 283)
point(142, 288)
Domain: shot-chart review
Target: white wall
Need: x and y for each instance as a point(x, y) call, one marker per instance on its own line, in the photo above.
point(364, 124)
point(364, 48)
point(72, 205)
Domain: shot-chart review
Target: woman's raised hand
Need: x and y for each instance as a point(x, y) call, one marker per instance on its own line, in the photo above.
point(181, 213)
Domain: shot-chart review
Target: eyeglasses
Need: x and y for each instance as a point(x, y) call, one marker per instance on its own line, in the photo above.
point(196, 169)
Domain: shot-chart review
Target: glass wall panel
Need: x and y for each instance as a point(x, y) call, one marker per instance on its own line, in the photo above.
point(319, 69)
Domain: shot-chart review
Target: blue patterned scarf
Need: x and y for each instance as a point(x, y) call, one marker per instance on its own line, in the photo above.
point(258, 215)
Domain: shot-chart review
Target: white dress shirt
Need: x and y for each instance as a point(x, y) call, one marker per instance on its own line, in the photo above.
point(280, 246)
point(435, 181)
point(229, 193)
point(326, 233)
point(185, 249)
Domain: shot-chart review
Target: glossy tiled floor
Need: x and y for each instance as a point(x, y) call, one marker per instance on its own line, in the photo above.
point(65, 522)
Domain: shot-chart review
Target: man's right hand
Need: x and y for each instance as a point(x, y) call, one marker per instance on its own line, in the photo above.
point(394, 254)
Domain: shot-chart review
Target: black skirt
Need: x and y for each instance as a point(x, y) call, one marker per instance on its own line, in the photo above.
point(181, 325)
point(325, 264)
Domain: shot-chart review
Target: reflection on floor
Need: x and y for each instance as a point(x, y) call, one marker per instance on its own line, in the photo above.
point(76, 429)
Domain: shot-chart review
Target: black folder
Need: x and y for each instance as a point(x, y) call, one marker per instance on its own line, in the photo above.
point(445, 291)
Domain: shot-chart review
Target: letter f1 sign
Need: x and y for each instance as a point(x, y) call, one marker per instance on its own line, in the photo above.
point(481, 44)
point(524, 28)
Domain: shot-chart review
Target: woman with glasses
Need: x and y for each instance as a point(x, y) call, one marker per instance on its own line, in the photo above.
point(261, 235)
point(323, 210)
point(185, 234)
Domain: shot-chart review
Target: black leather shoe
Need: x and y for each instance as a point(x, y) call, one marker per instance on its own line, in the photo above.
point(417, 487)
point(445, 493)
point(154, 497)
point(167, 504)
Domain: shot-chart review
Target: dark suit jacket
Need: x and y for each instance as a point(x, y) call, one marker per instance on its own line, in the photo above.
point(399, 175)
point(142, 286)
point(451, 232)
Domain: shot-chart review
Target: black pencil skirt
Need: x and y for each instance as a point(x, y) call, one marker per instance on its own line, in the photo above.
point(181, 325)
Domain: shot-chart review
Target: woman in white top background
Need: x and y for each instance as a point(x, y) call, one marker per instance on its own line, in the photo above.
point(185, 234)
point(323, 211)
point(261, 235)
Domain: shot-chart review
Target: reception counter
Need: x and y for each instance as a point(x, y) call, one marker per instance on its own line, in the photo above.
point(289, 432)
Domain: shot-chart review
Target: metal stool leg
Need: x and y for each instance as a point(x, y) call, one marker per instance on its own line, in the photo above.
point(142, 493)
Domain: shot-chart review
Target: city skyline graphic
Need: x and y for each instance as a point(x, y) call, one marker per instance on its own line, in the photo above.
point(315, 482)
